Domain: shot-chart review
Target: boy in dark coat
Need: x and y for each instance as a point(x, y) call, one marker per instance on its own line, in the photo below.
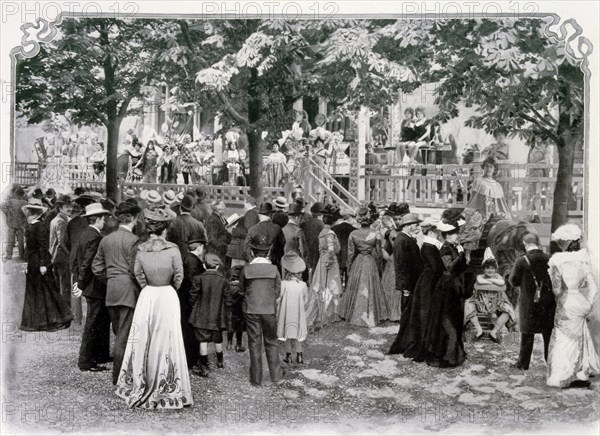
point(235, 312)
point(207, 317)
point(536, 312)
point(193, 266)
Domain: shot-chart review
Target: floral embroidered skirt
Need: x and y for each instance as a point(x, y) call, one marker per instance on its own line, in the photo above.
point(154, 374)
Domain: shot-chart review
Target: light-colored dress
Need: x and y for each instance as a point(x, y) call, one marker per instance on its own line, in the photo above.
point(486, 199)
point(364, 303)
point(154, 373)
point(571, 354)
point(275, 169)
point(326, 281)
point(291, 317)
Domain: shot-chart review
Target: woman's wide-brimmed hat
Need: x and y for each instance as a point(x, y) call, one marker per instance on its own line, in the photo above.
point(293, 263)
point(34, 204)
point(159, 214)
point(409, 218)
point(567, 232)
point(281, 203)
point(95, 209)
point(445, 227)
point(169, 196)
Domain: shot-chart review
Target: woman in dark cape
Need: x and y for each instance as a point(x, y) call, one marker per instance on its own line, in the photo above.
point(444, 343)
point(425, 290)
point(44, 308)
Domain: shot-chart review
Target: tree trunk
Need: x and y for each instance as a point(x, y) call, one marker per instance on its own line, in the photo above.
point(564, 180)
point(254, 140)
point(112, 144)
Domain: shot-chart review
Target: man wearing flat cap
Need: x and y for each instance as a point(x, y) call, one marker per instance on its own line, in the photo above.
point(272, 233)
point(58, 247)
point(95, 341)
point(185, 227)
point(114, 263)
point(408, 266)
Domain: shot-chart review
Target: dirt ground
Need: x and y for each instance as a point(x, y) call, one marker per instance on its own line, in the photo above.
point(348, 385)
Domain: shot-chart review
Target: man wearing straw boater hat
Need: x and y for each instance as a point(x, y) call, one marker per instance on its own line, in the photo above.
point(114, 262)
point(95, 340)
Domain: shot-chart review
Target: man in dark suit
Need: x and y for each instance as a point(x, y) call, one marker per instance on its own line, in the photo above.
point(218, 236)
point(251, 215)
point(193, 265)
point(114, 260)
point(271, 231)
point(202, 208)
point(95, 341)
point(536, 312)
point(342, 230)
point(260, 287)
point(185, 227)
point(15, 221)
point(408, 266)
point(312, 228)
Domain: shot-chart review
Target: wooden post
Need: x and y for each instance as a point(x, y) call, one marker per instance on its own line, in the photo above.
point(363, 137)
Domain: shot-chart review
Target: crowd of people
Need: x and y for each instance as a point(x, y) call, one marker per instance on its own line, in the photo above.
point(174, 267)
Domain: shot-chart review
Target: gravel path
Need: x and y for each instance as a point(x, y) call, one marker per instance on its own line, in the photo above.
point(347, 385)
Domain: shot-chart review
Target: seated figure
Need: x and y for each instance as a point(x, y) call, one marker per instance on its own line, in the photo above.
point(490, 297)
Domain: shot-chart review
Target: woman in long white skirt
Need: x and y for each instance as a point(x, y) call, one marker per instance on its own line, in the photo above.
point(572, 358)
point(154, 374)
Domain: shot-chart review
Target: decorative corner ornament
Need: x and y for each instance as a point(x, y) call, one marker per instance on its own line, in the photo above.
point(33, 34)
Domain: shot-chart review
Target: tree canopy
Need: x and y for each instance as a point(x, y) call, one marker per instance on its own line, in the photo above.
point(517, 76)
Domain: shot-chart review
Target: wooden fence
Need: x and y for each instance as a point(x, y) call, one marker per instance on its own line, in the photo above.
point(528, 189)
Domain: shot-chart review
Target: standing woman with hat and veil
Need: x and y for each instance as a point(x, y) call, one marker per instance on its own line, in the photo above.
point(44, 309)
point(154, 373)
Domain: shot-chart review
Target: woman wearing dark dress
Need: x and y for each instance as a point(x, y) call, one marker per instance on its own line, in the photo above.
point(444, 343)
point(433, 268)
point(44, 309)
